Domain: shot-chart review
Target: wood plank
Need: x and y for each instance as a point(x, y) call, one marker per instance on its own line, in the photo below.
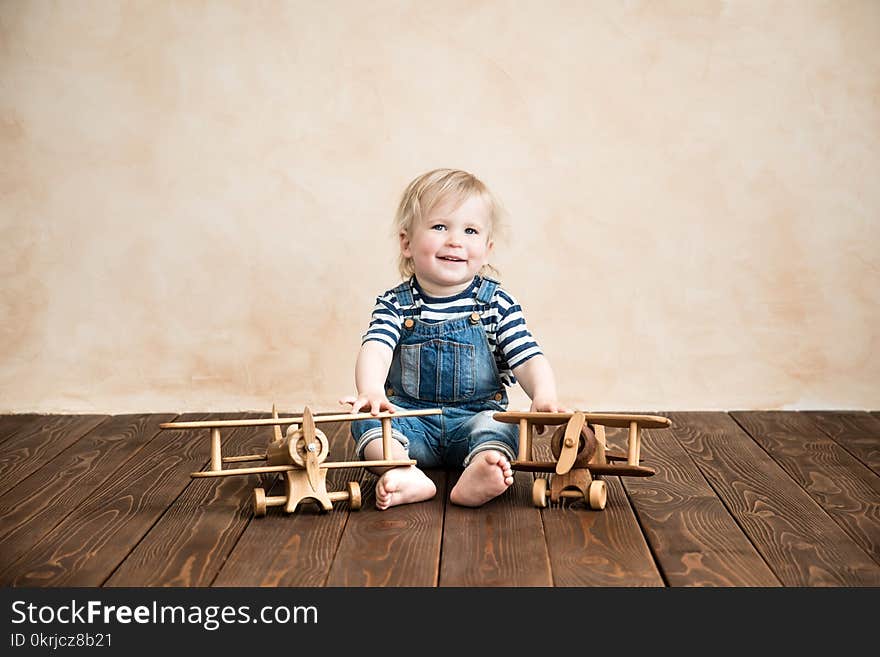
point(799, 542)
point(307, 541)
point(598, 548)
point(396, 547)
point(842, 485)
point(692, 535)
point(11, 424)
point(856, 431)
point(294, 550)
point(31, 509)
point(37, 443)
point(87, 546)
point(595, 548)
point(189, 543)
point(501, 543)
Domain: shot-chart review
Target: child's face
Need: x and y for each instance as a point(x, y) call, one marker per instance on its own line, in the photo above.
point(449, 246)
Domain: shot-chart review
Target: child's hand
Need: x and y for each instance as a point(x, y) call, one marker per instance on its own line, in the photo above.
point(375, 402)
point(546, 406)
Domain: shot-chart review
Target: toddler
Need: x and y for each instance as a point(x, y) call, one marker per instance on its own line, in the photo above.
point(450, 337)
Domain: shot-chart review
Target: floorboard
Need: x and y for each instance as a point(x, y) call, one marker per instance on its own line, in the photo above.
point(856, 432)
point(691, 533)
point(501, 543)
point(843, 486)
point(799, 542)
point(11, 424)
point(599, 548)
point(88, 545)
point(31, 509)
point(595, 548)
point(189, 543)
point(35, 444)
point(396, 547)
point(296, 549)
point(742, 499)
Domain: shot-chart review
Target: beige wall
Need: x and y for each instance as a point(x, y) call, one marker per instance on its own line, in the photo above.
point(196, 197)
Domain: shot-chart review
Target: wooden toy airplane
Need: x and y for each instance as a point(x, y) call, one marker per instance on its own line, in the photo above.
point(579, 448)
point(301, 454)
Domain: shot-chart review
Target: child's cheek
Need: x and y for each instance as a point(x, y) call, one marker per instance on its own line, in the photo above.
point(427, 247)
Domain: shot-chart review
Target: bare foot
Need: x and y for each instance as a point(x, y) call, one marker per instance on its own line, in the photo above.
point(488, 475)
point(403, 486)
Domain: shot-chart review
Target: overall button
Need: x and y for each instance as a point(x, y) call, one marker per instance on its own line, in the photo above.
point(498, 396)
point(389, 392)
point(408, 323)
point(474, 318)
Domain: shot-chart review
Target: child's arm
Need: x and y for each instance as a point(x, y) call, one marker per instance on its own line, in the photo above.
point(373, 363)
point(536, 378)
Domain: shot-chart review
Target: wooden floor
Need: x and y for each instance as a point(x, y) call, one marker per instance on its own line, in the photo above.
point(739, 499)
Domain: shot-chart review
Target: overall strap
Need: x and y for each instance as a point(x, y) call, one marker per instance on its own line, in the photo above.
point(404, 295)
point(482, 297)
point(486, 291)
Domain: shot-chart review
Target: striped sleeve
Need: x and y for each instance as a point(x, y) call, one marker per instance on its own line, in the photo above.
point(385, 322)
point(514, 339)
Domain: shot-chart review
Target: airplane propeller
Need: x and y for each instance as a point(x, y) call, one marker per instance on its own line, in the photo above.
point(570, 443)
point(277, 427)
point(310, 439)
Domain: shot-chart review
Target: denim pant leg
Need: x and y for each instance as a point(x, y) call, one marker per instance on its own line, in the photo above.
point(480, 431)
point(418, 434)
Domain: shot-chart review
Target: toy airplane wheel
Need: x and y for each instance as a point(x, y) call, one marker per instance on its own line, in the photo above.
point(354, 495)
point(597, 495)
point(539, 493)
point(259, 502)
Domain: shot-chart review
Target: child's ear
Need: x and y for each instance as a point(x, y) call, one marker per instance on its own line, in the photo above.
point(404, 244)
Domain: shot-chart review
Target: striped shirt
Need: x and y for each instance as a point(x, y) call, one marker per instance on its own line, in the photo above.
point(509, 338)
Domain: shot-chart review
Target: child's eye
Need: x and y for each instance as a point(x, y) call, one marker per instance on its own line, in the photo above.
point(471, 231)
point(438, 227)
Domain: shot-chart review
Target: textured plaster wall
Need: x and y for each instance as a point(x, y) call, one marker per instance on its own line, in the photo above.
point(196, 198)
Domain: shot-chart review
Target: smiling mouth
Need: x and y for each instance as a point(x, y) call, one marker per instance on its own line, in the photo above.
point(450, 259)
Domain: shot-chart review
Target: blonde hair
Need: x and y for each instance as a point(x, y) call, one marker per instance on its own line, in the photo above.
point(427, 190)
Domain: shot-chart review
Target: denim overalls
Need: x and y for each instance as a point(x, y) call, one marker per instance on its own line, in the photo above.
point(446, 365)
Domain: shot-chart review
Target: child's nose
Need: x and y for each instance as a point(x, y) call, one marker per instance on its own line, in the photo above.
point(453, 238)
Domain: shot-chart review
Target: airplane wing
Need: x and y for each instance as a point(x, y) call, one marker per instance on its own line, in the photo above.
point(622, 420)
point(329, 417)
